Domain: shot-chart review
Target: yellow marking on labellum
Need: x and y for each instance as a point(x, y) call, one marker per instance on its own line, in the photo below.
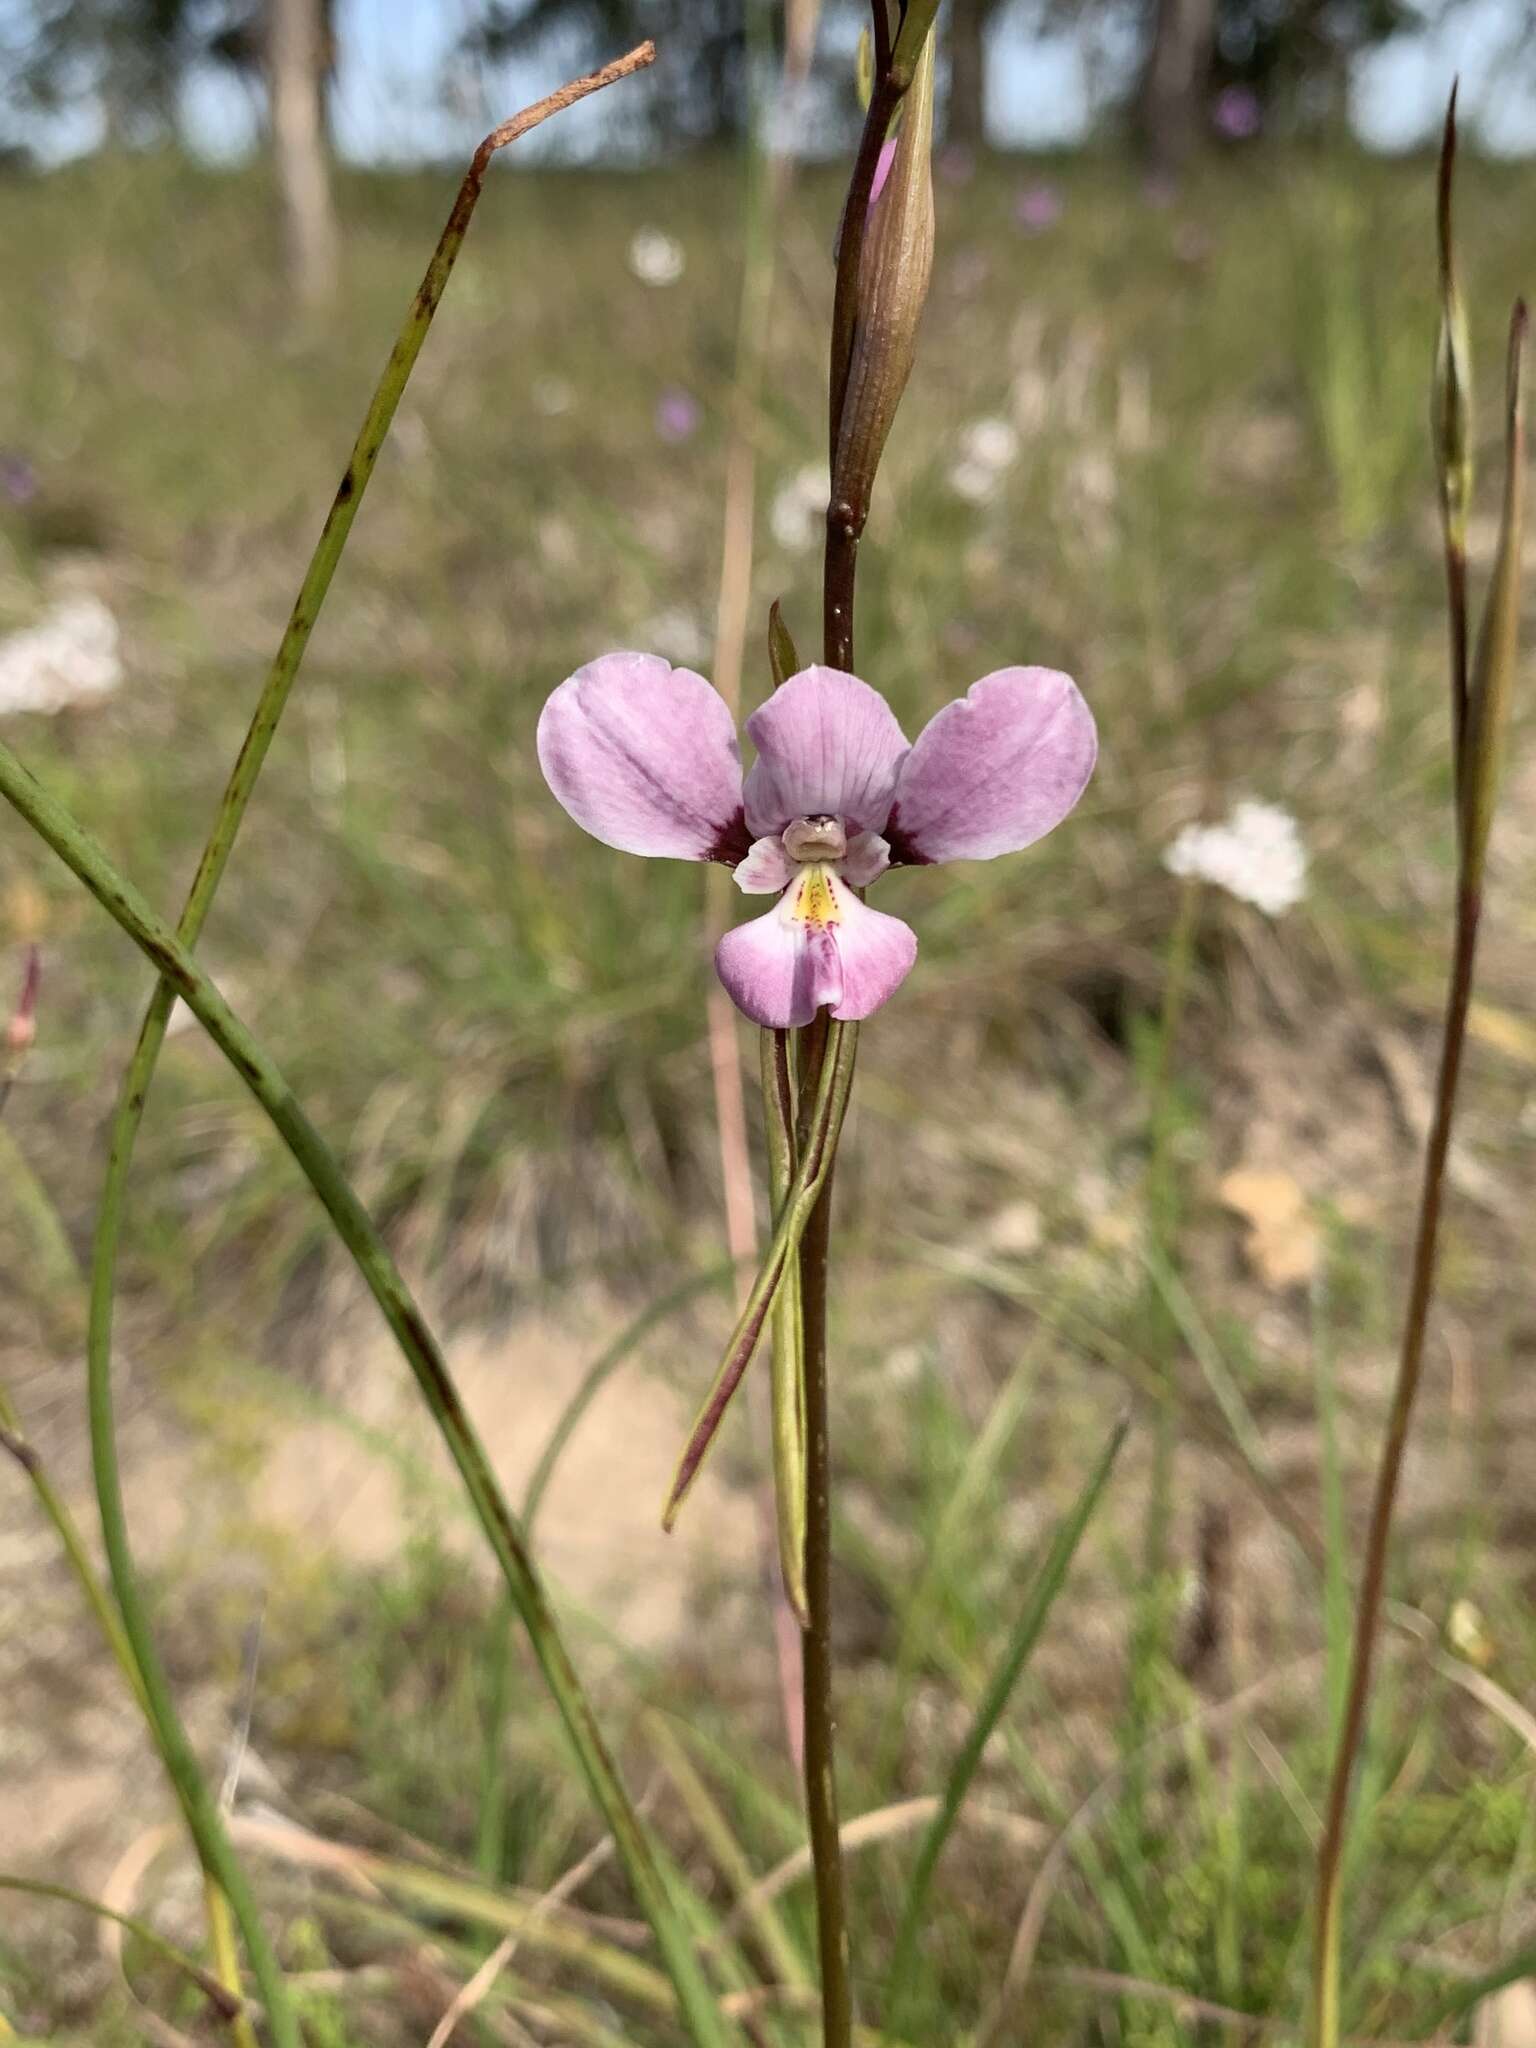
point(815, 902)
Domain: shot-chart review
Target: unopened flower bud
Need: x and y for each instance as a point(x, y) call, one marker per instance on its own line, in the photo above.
point(864, 69)
point(783, 658)
point(1493, 666)
point(22, 1028)
point(894, 272)
point(1451, 391)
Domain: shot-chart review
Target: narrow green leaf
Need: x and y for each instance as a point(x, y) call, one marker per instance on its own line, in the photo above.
point(1493, 669)
point(358, 1232)
point(1465, 1996)
point(788, 1382)
point(1337, 1614)
point(811, 1172)
point(1451, 428)
point(1026, 1634)
point(201, 1813)
point(730, 1858)
point(864, 69)
point(221, 1999)
point(916, 26)
point(783, 658)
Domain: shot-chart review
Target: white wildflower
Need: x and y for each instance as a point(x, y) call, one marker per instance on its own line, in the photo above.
point(797, 517)
point(988, 448)
point(680, 636)
point(70, 657)
point(1255, 854)
point(552, 396)
point(974, 482)
point(992, 442)
point(655, 257)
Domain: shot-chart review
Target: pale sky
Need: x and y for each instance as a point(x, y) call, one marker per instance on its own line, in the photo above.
point(390, 103)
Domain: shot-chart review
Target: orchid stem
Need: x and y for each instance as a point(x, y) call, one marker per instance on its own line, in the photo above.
point(820, 1715)
point(843, 524)
point(819, 1704)
point(1480, 703)
point(1325, 1987)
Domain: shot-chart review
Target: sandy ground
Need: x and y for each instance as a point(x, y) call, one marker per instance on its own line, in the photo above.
point(77, 1784)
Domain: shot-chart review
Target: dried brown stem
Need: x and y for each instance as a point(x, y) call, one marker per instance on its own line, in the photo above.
point(556, 103)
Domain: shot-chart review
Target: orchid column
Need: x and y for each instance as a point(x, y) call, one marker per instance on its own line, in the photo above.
point(645, 757)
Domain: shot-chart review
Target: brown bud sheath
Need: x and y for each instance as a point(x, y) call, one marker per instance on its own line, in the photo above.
point(896, 266)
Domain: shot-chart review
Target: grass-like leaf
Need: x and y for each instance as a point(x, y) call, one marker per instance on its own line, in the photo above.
point(222, 2001)
point(788, 1402)
point(1026, 1634)
point(811, 1172)
point(361, 1237)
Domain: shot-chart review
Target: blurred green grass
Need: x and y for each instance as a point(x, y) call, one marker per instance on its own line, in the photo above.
point(1221, 521)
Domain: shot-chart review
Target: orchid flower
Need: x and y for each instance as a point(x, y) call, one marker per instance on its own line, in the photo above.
point(644, 757)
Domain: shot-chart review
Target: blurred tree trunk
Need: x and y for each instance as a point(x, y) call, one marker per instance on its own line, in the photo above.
point(966, 120)
point(1174, 81)
point(298, 60)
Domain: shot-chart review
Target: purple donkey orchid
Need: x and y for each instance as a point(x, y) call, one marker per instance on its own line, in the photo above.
point(644, 757)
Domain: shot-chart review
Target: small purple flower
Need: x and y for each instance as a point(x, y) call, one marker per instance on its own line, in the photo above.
point(645, 758)
point(956, 163)
point(1037, 208)
point(18, 479)
point(677, 414)
point(1237, 114)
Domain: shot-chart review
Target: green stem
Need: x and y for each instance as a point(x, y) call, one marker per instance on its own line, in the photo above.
point(819, 1702)
point(358, 1233)
point(110, 1622)
point(202, 1815)
point(226, 1958)
point(823, 1105)
point(68, 1531)
point(1326, 1949)
point(788, 1403)
point(223, 2003)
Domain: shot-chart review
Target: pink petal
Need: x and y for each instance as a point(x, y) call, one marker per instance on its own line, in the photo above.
point(774, 973)
point(868, 856)
point(766, 870)
point(827, 744)
point(644, 757)
point(781, 968)
point(875, 953)
point(883, 164)
point(994, 771)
